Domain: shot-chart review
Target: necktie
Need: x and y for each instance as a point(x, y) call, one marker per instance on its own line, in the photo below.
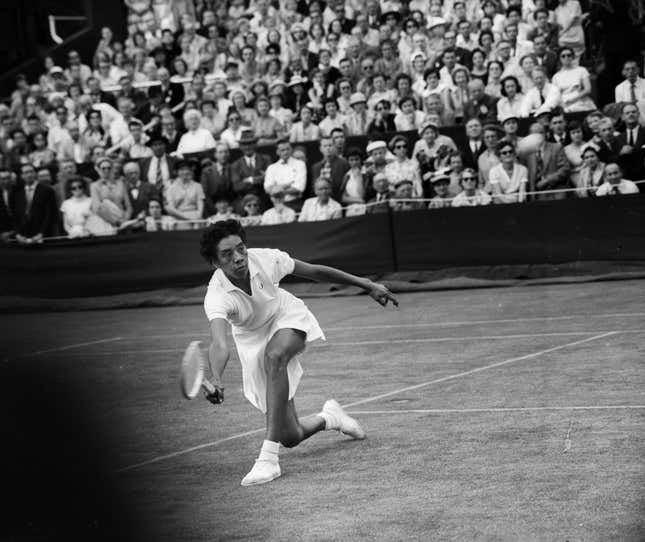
point(539, 165)
point(29, 192)
point(615, 191)
point(630, 137)
point(632, 93)
point(158, 174)
point(542, 98)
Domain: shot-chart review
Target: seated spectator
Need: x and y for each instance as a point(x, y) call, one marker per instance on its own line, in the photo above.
point(455, 164)
point(631, 142)
point(614, 184)
point(288, 174)
point(480, 105)
point(140, 192)
point(196, 139)
point(251, 211)
point(403, 193)
point(267, 129)
point(510, 127)
point(332, 167)
point(470, 195)
point(353, 187)
point(494, 79)
point(607, 141)
point(509, 105)
point(432, 145)
point(488, 158)
point(574, 84)
point(357, 120)
point(408, 116)
point(474, 146)
point(185, 197)
point(304, 129)
point(134, 145)
point(457, 96)
point(216, 179)
point(279, 213)
point(441, 185)
point(632, 89)
point(548, 167)
point(7, 192)
point(544, 97)
point(223, 210)
point(380, 202)
point(248, 172)
point(156, 220)
point(402, 167)
point(158, 169)
point(76, 210)
point(508, 178)
point(333, 119)
point(322, 206)
point(591, 174)
point(283, 115)
point(109, 195)
point(573, 150)
point(213, 119)
point(40, 155)
point(233, 131)
point(34, 211)
point(382, 121)
point(557, 132)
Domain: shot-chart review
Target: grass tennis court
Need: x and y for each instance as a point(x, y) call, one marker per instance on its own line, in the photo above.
point(492, 414)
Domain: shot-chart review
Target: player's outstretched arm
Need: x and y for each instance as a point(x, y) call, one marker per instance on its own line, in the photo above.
point(320, 273)
point(218, 355)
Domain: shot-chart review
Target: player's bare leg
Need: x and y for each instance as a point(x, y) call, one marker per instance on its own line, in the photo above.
point(283, 425)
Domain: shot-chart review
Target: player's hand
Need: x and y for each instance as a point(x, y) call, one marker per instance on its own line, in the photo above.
point(382, 294)
point(216, 397)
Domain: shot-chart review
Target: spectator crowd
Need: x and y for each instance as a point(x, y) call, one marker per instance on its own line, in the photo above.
point(208, 110)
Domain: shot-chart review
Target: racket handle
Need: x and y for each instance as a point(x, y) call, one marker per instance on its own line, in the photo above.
point(208, 386)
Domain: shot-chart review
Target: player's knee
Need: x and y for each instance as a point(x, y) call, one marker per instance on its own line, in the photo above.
point(275, 361)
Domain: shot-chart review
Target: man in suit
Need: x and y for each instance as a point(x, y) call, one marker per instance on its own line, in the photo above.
point(631, 141)
point(545, 57)
point(34, 208)
point(158, 169)
point(475, 145)
point(216, 179)
point(6, 203)
point(558, 129)
point(332, 167)
point(248, 171)
point(140, 192)
point(480, 105)
point(172, 94)
point(548, 167)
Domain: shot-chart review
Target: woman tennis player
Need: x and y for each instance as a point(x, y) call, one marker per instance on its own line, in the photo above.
point(270, 327)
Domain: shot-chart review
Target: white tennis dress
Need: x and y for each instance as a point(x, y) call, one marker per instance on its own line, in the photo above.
point(255, 318)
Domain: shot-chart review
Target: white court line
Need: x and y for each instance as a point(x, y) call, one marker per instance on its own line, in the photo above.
point(500, 409)
point(331, 344)
point(375, 398)
point(68, 347)
point(433, 324)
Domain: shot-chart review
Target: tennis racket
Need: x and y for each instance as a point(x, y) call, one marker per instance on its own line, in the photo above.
point(192, 378)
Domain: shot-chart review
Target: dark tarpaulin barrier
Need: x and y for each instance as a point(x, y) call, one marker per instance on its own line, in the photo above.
point(538, 232)
point(151, 261)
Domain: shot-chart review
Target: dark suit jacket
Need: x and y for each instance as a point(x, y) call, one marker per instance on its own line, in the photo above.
point(633, 164)
point(145, 166)
point(470, 159)
point(382, 206)
point(42, 216)
point(171, 96)
point(339, 166)
point(551, 138)
point(555, 171)
point(549, 62)
point(146, 193)
point(485, 110)
point(216, 185)
point(6, 220)
point(609, 152)
point(240, 171)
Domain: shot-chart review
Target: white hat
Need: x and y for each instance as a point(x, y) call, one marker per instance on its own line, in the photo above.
point(374, 145)
point(357, 98)
point(436, 21)
point(55, 69)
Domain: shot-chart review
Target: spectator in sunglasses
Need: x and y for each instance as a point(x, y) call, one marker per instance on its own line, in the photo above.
point(471, 195)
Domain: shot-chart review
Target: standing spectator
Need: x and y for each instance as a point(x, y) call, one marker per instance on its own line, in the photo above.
point(332, 167)
point(216, 179)
point(568, 17)
point(574, 84)
point(139, 192)
point(402, 167)
point(548, 167)
point(76, 210)
point(470, 195)
point(615, 184)
point(185, 197)
point(591, 174)
point(508, 178)
point(322, 206)
point(196, 139)
point(248, 172)
point(279, 213)
point(34, 209)
point(110, 199)
point(632, 89)
point(158, 169)
point(289, 175)
point(631, 142)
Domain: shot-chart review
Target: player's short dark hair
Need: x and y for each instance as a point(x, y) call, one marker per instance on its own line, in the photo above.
point(215, 233)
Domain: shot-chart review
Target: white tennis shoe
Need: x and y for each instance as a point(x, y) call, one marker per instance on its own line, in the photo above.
point(262, 472)
point(336, 418)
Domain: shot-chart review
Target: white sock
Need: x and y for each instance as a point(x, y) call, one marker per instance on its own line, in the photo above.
point(269, 451)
